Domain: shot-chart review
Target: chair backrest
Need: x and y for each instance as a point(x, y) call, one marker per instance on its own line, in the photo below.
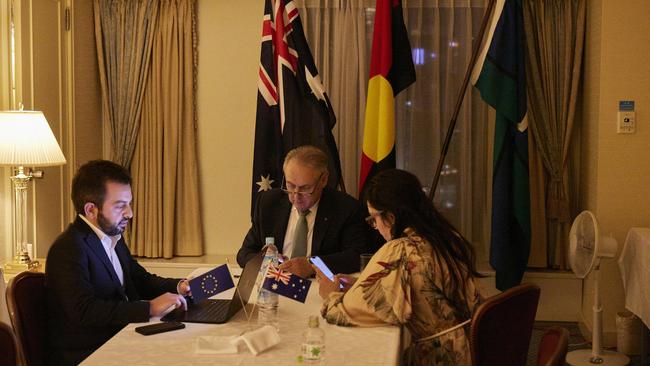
point(553, 347)
point(4, 313)
point(27, 309)
point(7, 345)
point(502, 325)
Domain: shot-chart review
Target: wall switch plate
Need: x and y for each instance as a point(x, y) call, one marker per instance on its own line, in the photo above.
point(626, 122)
point(626, 119)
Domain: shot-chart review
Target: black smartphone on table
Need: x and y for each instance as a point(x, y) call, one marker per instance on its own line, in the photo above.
point(159, 328)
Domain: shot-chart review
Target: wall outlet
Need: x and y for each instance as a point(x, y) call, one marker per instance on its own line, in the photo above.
point(626, 122)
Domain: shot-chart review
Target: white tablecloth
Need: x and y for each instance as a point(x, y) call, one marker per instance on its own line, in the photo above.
point(634, 264)
point(343, 345)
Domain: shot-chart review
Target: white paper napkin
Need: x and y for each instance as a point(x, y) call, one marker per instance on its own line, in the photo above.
point(260, 339)
point(213, 345)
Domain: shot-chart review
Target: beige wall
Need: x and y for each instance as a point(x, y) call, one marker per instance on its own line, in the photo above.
point(5, 104)
point(229, 52)
point(42, 82)
point(616, 167)
point(48, 54)
point(229, 38)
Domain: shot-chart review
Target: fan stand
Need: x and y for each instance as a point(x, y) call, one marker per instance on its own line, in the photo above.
point(596, 356)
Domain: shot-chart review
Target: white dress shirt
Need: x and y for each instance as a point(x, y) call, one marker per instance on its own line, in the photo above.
point(287, 247)
point(109, 243)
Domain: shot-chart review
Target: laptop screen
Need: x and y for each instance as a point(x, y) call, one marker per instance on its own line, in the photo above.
point(248, 277)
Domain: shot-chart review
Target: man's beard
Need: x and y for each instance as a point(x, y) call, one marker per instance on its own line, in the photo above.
point(106, 227)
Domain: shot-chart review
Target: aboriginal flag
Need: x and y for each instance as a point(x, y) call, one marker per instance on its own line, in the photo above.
point(391, 71)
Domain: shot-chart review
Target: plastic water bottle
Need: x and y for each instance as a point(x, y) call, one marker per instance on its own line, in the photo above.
point(312, 349)
point(268, 301)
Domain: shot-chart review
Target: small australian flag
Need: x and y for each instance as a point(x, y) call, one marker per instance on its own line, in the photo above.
point(286, 284)
point(211, 283)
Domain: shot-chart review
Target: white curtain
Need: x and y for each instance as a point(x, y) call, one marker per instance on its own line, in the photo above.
point(339, 33)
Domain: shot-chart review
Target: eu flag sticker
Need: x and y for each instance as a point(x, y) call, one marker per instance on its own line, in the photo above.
point(211, 283)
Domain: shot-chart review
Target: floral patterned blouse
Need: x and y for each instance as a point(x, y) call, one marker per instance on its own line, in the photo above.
point(407, 283)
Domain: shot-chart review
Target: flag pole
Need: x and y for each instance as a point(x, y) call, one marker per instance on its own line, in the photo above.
point(461, 97)
point(342, 183)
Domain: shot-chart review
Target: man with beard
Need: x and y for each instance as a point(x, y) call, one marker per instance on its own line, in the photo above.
point(94, 286)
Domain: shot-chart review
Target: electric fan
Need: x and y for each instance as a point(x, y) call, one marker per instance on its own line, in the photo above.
point(586, 248)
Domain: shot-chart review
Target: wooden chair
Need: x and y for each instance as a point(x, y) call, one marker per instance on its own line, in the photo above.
point(4, 312)
point(27, 309)
point(7, 345)
point(502, 326)
point(553, 347)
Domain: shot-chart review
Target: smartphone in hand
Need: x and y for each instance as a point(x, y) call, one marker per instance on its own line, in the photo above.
point(159, 328)
point(323, 268)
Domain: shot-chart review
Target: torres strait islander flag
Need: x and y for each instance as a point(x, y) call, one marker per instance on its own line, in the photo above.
point(391, 71)
point(292, 106)
point(500, 77)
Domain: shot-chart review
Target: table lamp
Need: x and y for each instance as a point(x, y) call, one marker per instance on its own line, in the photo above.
point(26, 140)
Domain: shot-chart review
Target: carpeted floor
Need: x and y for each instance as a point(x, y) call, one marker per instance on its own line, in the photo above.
point(576, 341)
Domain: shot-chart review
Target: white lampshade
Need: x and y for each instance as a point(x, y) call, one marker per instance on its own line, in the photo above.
point(26, 139)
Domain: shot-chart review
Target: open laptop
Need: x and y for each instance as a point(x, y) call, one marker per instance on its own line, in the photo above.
point(220, 311)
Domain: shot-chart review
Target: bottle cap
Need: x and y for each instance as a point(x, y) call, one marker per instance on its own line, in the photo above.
point(269, 240)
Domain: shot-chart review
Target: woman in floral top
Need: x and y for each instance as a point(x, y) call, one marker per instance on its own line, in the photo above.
point(424, 277)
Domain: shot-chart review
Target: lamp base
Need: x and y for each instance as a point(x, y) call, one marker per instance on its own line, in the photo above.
point(21, 263)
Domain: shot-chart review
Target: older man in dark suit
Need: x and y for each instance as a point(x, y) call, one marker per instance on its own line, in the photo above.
point(94, 286)
point(307, 218)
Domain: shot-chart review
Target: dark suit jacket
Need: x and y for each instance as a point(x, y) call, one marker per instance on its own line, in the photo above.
point(340, 233)
point(86, 303)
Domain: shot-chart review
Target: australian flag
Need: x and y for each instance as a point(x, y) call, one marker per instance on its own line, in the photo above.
point(292, 106)
point(286, 284)
point(211, 283)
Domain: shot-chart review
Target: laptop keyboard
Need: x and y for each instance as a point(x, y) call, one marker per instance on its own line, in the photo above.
point(209, 311)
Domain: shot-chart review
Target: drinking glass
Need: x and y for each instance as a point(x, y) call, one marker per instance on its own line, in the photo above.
point(364, 259)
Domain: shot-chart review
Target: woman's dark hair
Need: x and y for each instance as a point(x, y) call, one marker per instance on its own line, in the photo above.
point(400, 193)
point(89, 184)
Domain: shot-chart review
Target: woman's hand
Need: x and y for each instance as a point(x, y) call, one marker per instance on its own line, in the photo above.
point(325, 286)
point(345, 280)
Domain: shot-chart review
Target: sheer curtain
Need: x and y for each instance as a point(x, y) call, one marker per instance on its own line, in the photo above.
point(441, 34)
point(337, 35)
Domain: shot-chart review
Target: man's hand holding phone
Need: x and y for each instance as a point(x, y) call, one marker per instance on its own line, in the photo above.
point(298, 266)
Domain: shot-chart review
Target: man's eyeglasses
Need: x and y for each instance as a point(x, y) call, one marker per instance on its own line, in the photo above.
point(372, 219)
point(305, 192)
